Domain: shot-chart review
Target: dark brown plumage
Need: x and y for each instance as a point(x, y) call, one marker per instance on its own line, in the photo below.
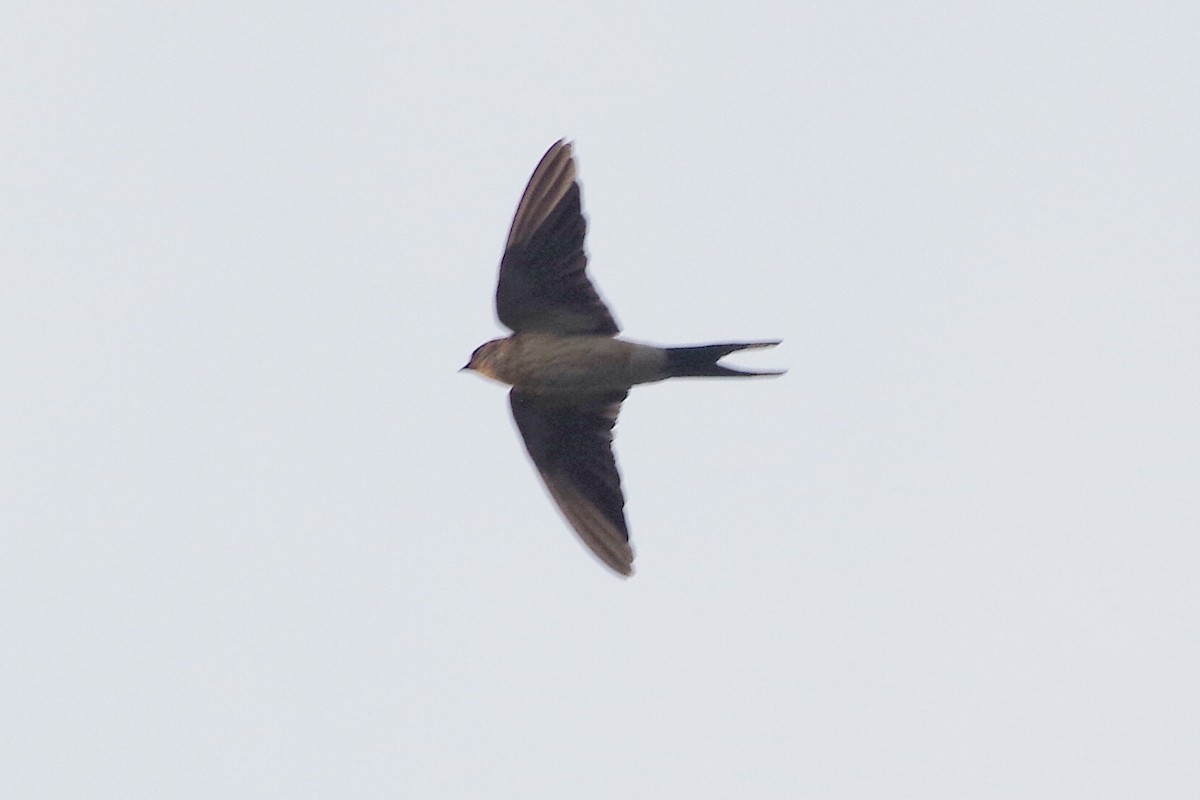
point(543, 283)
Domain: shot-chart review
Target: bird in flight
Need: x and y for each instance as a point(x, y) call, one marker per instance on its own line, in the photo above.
point(568, 371)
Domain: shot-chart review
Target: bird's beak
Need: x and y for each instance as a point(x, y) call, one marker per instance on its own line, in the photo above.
point(464, 368)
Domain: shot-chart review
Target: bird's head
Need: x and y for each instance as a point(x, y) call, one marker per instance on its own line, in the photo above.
point(483, 360)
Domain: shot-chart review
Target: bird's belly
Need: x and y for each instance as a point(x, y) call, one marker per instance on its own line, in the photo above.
point(569, 365)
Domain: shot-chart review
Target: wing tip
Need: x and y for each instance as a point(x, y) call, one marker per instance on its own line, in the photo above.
point(623, 568)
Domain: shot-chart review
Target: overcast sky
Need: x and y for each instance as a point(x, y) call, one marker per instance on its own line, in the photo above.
point(259, 538)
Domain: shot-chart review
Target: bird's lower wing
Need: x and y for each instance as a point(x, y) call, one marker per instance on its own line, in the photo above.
point(571, 446)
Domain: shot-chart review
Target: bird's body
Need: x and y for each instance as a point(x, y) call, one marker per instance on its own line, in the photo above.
point(549, 364)
point(568, 371)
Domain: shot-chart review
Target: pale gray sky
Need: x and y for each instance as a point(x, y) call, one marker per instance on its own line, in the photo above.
point(258, 538)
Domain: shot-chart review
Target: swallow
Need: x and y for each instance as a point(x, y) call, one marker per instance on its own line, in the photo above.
point(568, 371)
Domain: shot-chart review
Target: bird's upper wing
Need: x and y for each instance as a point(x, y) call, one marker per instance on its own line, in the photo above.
point(571, 446)
point(543, 282)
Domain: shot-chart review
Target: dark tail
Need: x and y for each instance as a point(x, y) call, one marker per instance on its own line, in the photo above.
point(701, 361)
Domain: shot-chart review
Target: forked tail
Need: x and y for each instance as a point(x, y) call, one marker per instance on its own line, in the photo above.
point(701, 361)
